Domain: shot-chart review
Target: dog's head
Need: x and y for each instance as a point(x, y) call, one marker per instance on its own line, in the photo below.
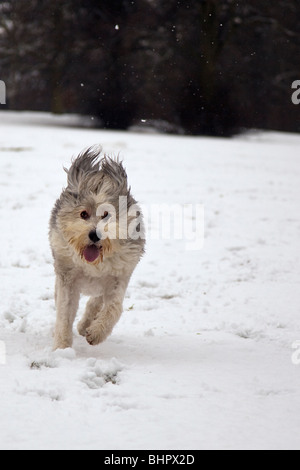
point(93, 212)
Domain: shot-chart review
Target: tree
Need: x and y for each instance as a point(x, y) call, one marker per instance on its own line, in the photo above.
point(206, 66)
point(37, 50)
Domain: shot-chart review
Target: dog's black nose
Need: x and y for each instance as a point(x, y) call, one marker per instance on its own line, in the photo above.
point(93, 236)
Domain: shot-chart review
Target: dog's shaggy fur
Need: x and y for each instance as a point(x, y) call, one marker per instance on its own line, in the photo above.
point(86, 260)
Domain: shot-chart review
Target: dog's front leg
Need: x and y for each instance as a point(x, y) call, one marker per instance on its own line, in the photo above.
point(106, 314)
point(67, 301)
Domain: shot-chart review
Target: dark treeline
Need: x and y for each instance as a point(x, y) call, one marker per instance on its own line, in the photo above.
point(196, 66)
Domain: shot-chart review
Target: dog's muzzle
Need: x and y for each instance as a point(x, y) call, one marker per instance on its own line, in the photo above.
point(93, 236)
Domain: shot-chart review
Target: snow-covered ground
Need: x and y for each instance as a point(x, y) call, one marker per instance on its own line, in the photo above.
point(203, 356)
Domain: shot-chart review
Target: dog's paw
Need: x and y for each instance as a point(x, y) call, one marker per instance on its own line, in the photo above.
point(81, 328)
point(62, 343)
point(94, 336)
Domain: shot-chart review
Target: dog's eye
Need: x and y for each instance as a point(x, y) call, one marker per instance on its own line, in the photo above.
point(104, 215)
point(84, 215)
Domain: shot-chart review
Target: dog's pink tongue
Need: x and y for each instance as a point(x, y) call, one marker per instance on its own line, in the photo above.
point(91, 253)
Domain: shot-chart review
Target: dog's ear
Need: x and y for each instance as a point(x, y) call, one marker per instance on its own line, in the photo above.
point(114, 170)
point(85, 163)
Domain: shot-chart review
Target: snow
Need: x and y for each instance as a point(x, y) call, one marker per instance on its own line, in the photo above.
point(202, 357)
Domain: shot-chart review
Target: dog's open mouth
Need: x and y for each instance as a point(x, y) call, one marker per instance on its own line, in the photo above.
point(92, 253)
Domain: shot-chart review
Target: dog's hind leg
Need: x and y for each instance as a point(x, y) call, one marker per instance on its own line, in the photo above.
point(93, 308)
point(108, 314)
point(104, 323)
